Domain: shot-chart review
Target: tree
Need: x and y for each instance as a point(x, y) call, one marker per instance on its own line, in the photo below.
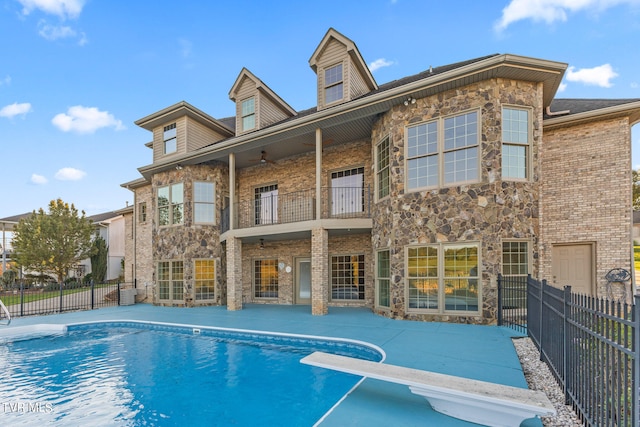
point(53, 241)
point(99, 260)
point(636, 190)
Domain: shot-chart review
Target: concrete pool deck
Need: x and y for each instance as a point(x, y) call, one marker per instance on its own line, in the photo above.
point(483, 353)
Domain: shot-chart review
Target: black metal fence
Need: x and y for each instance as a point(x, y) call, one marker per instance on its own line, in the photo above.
point(58, 298)
point(591, 345)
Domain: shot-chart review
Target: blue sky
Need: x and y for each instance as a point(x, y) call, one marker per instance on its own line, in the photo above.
point(76, 74)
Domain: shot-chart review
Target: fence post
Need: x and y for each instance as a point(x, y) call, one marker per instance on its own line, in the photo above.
point(540, 326)
point(118, 293)
point(93, 290)
point(21, 299)
point(500, 319)
point(60, 308)
point(636, 362)
point(566, 342)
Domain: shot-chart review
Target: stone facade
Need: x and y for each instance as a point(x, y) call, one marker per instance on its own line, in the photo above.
point(188, 242)
point(485, 212)
point(561, 199)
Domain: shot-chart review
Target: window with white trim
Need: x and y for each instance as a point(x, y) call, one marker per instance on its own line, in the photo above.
point(443, 152)
point(203, 202)
point(204, 279)
point(515, 143)
point(170, 138)
point(248, 114)
point(347, 192)
point(443, 278)
point(333, 84)
point(265, 278)
point(382, 168)
point(142, 212)
point(347, 277)
point(170, 281)
point(383, 278)
point(170, 205)
point(266, 204)
point(515, 268)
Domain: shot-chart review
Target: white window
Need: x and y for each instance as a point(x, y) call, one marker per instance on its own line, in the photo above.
point(382, 168)
point(443, 152)
point(383, 279)
point(333, 84)
point(515, 143)
point(170, 280)
point(515, 268)
point(205, 279)
point(170, 139)
point(203, 203)
point(347, 277)
point(265, 278)
point(142, 212)
point(347, 192)
point(170, 204)
point(443, 278)
point(266, 204)
point(248, 114)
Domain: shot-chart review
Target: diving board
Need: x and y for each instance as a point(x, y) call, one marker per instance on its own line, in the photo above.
point(476, 401)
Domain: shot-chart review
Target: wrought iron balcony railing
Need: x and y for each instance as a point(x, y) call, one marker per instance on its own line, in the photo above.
point(274, 208)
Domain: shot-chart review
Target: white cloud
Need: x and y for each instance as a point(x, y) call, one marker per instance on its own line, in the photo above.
point(379, 63)
point(550, 11)
point(596, 76)
point(61, 8)
point(5, 81)
point(38, 179)
point(15, 109)
point(85, 120)
point(185, 47)
point(70, 174)
point(562, 87)
point(54, 32)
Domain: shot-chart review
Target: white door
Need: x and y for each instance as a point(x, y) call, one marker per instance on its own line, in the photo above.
point(303, 281)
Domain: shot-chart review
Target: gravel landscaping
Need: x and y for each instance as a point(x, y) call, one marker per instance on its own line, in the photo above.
point(539, 377)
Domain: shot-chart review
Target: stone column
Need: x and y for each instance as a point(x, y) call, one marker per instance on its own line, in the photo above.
point(234, 274)
point(319, 272)
point(232, 190)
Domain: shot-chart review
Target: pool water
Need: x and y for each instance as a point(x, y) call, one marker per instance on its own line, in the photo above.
point(131, 375)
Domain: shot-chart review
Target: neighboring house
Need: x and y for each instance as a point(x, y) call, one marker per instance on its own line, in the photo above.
point(408, 197)
point(636, 228)
point(109, 225)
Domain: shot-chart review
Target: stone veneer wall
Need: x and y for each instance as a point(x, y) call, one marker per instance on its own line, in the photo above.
point(586, 194)
point(486, 212)
point(188, 242)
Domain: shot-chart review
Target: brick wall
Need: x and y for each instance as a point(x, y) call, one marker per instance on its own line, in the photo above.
point(586, 194)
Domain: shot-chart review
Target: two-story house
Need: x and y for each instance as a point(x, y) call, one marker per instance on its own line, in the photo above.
point(408, 197)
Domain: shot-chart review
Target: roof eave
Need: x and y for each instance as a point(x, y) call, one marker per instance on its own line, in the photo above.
point(384, 99)
point(632, 109)
point(178, 110)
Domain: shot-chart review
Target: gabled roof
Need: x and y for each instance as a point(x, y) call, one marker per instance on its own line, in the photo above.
point(353, 51)
point(179, 110)
point(246, 74)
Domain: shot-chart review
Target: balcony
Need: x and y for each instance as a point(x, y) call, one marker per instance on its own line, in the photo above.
point(272, 209)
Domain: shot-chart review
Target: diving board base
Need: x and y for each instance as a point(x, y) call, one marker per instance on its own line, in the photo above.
point(479, 402)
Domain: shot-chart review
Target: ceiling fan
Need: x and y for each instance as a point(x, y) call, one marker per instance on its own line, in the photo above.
point(262, 158)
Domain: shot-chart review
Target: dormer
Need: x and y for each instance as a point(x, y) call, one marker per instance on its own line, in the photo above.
point(257, 106)
point(181, 129)
point(342, 73)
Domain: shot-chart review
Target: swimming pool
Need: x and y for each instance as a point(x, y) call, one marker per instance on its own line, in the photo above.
point(157, 374)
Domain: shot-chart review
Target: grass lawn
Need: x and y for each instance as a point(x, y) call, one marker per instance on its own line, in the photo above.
point(636, 257)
